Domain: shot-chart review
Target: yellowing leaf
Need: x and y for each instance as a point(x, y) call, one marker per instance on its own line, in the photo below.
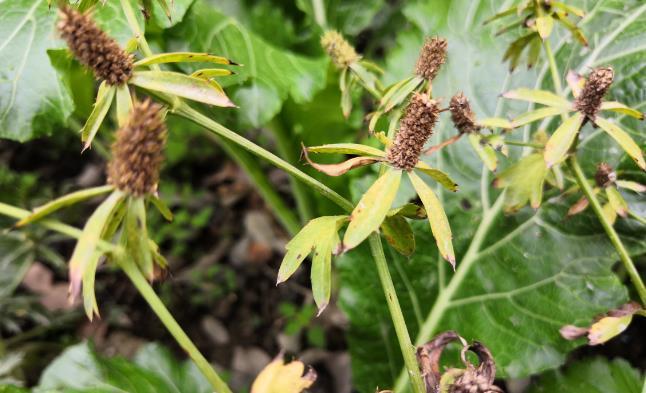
point(104, 98)
point(610, 213)
point(607, 328)
point(371, 210)
point(302, 244)
point(278, 377)
point(436, 218)
point(347, 148)
point(537, 114)
point(618, 107)
point(438, 176)
point(124, 104)
point(544, 25)
point(486, 153)
point(181, 85)
point(183, 57)
point(623, 139)
point(631, 185)
point(559, 143)
point(538, 96)
point(617, 202)
point(399, 234)
point(209, 73)
point(495, 122)
point(524, 182)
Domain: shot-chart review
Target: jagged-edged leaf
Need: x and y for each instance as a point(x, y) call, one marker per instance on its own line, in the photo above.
point(539, 97)
point(623, 139)
point(182, 86)
point(559, 143)
point(124, 104)
point(104, 98)
point(617, 201)
point(59, 203)
point(495, 122)
point(436, 217)
point(371, 210)
point(618, 107)
point(537, 114)
point(303, 243)
point(486, 153)
point(523, 182)
point(596, 375)
point(399, 234)
point(438, 176)
point(186, 57)
point(347, 148)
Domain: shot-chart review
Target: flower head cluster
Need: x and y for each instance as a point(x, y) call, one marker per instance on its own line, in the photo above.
point(339, 50)
point(461, 114)
point(431, 58)
point(598, 83)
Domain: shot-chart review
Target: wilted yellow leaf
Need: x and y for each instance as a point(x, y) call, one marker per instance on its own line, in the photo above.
point(279, 377)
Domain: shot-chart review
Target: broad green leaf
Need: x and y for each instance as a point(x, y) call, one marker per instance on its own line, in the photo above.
point(523, 182)
point(270, 74)
point(64, 201)
point(538, 96)
point(16, 255)
point(104, 98)
point(436, 217)
point(371, 210)
point(438, 176)
point(537, 114)
point(495, 122)
point(303, 243)
point(618, 107)
point(544, 25)
point(321, 272)
point(86, 246)
point(486, 153)
point(347, 148)
point(124, 104)
point(617, 201)
point(278, 377)
point(34, 100)
point(559, 143)
point(183, 57)
point(181, 85)
point(623, 139)
point(399, 234)
point(591, 375)
point(631, 185)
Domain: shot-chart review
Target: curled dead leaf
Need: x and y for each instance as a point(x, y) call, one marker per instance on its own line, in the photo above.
point(343, 167)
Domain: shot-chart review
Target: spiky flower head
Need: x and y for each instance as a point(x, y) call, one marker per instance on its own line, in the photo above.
point(339, 50)
point(605, 175)
point(93, 48)
point(431, 58)
point(598, 83)
point(461, 114)
point(415, 127)
point(137, 152)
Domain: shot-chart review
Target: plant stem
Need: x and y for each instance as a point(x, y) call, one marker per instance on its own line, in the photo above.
point(144, 288)
point(607, 226)
point(556, 79)
point(408, 350)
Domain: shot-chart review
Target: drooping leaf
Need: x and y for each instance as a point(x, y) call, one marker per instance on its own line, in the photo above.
point(399, 234)
point(321, 272)
point(183, 57)
point(398, 92)
point(104, 98)
point(16, 257)
point(618, 107)
point(617, 201)
point(347, 148)
point(161, 207)
point(278, 377)
point(342, 167)
point(559, 143)
point(631, 185)
point(539, 97)
point(436, 217)
point(438, 176)
point(495, 122)
point(371, 210)
point(624, 140)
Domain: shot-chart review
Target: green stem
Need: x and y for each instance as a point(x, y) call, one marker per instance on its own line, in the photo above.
point(637, 217)
point(556, 79)
point(144, 288)
point(442, 303)
point(408, 350)
point(607, 226)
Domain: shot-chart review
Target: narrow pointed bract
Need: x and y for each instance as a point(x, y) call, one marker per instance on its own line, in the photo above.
point(137, 153)
point(431, 58)
point(93, 48)
point(415, 127)
point(598, 83)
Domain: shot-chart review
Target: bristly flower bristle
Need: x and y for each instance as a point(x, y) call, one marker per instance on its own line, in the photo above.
point(339, 50)
point(598, 83)
point(137, 152)
point(431, 58)
point(461, 114)
point(415, 127)
point(93, 48)
point(605, 175)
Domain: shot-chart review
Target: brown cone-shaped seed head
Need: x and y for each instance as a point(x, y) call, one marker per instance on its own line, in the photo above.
point(415, 127)
point(605, 176)
point(461, 114)
point(93, 48)
point(137, 152)
point(431, 58)
point(598, 83)
point(339, 50)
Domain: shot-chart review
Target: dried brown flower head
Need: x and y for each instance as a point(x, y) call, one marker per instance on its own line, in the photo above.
point(605, 176)
point(431, 58)
point(415, 127)
point(339, 50)
point(589, 101)
point(461, 114)
point(137, 152)
point(93, 47)
point(476, 379)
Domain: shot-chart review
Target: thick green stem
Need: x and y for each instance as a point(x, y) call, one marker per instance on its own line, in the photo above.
point(144, 288)
point(607, 226)
point(556, 79)
point(408, 350)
